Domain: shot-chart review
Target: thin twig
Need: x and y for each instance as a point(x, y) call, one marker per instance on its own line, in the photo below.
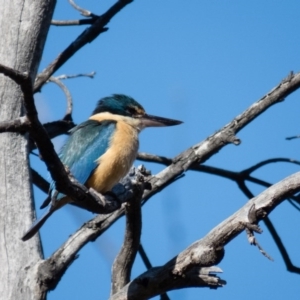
point(292, 137)
point(82, 11)
point(73, 22)
point(67, 94)
point(87, 36)
point(39, 181)
point(296, 206)
point(90, 75)
point(286, 258)
point(269, 161)
point(144, 257)
point(148, 265)
point(275, 236)
point(238, 177)
point(253, 241)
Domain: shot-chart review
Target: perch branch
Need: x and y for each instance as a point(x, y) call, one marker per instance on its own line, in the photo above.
point(64, 183)
point(51, 269)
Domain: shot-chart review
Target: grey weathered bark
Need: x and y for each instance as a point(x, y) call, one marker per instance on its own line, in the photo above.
point(23, 29)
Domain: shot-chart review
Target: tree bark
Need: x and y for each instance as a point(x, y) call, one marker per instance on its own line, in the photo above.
point(24, 26)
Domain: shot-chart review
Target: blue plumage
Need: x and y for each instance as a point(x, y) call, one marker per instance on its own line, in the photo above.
point(88, 141)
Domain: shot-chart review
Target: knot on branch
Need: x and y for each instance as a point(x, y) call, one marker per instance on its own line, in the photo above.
point(197, 257)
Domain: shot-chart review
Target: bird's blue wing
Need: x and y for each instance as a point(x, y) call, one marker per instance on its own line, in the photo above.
point(86, 143)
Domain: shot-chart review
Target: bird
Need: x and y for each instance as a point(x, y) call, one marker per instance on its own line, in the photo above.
point(100, 151)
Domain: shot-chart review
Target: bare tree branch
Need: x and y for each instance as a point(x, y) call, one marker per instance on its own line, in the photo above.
point(209, 250)
point(189, 158)
point(82, 11)
point(92, 17)
point(253, 241)
point(276, 237)
point(64, 76)
point(144, 257)
point(39, 181)
point(212, 252)
point(204, 253)
point(269, 161)
point(123, 263)
point(142, 156)
point(73, 22)
point(157, 280)
point(51, 270)
point(292, 137)
point(204, 150)
point(59, 127)
point(65, 183)
point(296, 206)
point(18, 125)
point(87, 36)
point(148, 265)
point(286, 258)
point(67, 93)
point(239, 177)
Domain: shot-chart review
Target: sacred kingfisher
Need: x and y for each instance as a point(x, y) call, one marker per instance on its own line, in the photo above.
point(100, 151)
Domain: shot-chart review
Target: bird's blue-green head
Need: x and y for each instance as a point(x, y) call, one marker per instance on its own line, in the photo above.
point(126, 106)
point(119, 105)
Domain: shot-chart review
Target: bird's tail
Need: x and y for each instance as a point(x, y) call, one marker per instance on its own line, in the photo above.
point(35, 227)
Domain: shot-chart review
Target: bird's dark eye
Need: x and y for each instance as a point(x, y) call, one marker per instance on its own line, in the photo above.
point(131, 110)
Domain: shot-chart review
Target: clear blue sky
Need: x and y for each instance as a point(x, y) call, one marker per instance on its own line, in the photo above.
point(202, 62)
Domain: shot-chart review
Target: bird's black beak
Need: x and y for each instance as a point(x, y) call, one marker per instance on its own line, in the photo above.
point(153, 121)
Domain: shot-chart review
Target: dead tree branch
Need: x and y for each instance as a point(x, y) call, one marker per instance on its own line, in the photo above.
point(64, 183)
point(191, 157)
point(72, 22)
point(205, 252)
point(51, 270)
point(84, 12)
point(64, 76)
point(67, 93)
point(18, 125)
point(285, 256)
point(240, 178)
point(209, 250)
point(205, 149)
point(39, 181)
point(87, 36)
point(123, 263)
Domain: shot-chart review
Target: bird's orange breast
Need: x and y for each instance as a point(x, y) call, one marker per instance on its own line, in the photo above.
point(115, 163)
